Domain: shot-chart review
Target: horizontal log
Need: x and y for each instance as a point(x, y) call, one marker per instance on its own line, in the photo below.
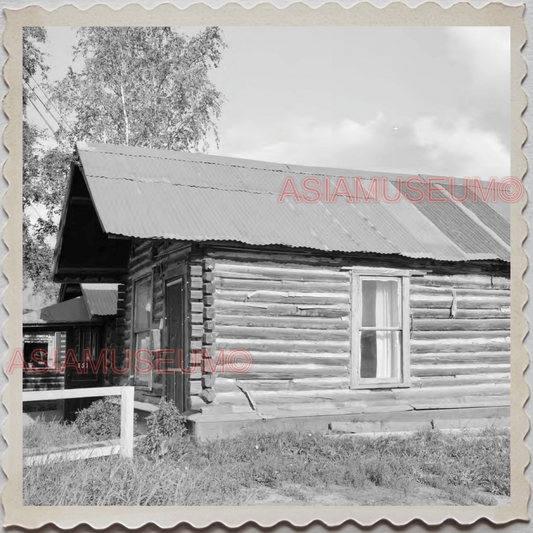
point(460, 381)
point(427, 313)
point(465, 401)
point(271, 345)
point(228, 307)
point(471, 293)
point(284, 384)
point(209, 312)
point(482, 390)
point(457, 370)
point(367, 397)
point(475, 334)
point(209, 288)
point(299, 358)
point(197, 318)
point(459, 324)
point(196, 283)
point(287, 371)
point(303, 322)
point(209, 299)
point(442, 301)
point(209, 276)
point(464, 281)
point(424, 419)
point(267, 333)
point(461, 345)
point(196, 295)
point(486, 302)
point(279, 297)
point(195, 387)
point(280, 285)
point(197, 307)
point(279, 272)
point(195, 270)
point(469, 357)
point(209, 338)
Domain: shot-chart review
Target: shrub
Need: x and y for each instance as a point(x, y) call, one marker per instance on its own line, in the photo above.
point(164, 426)
point(100, 421)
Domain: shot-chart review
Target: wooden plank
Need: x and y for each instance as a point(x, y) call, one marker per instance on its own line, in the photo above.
point(196, 283)
point(414, 420)
point(457, 370)
point(303, 322)
point(127, 422)
point(245, 332)
point(460, 345)
point(89, 452)
point(455, 358)
point(426, 313)
point(461, 324)
point(280, 272)
point(279, 297)
point(260, 371)
point(473, 281)
point(273, 345)
point(280, 285)
point(299, 358)
point(72, 393)
point(460, 381)
point(475, 334)
point(229, 307)
point(196, 270)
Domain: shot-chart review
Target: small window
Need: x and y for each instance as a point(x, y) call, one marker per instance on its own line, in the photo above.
point(380, 331)
point(142, 320)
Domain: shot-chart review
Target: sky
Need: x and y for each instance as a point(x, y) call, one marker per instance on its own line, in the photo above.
point(386, 99)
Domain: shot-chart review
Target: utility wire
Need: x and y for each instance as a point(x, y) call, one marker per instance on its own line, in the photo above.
point(50, 101)
point(43, 117)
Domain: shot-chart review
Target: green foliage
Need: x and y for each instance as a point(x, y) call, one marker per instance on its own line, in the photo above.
point(99, 421)
point(313, 467)
point(138, 86)
point(165, 426)
point(143, 86)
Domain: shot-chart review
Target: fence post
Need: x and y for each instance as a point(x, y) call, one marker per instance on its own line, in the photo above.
point(126, 422)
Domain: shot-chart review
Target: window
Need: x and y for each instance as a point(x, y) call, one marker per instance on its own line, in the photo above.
point(142, 320)
point(380, 331)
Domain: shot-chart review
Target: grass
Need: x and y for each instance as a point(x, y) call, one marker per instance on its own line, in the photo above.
point(465, 468)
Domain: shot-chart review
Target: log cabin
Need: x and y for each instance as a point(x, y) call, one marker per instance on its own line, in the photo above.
point(272, 296)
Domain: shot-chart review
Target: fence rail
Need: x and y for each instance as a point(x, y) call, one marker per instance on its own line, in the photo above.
point(126, 419)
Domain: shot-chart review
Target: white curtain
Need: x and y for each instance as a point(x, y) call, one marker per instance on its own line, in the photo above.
point(387, 342)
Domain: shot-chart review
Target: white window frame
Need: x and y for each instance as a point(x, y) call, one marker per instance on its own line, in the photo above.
point(404, 379)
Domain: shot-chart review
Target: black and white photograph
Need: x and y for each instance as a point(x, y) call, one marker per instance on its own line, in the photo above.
point(266, 265)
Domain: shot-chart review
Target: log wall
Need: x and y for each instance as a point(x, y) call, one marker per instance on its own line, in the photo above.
point(293, 317)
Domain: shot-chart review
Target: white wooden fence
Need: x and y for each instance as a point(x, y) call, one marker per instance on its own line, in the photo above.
point(125, 448)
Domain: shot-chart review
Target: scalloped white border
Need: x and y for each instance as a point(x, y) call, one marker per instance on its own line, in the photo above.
point(233, 14)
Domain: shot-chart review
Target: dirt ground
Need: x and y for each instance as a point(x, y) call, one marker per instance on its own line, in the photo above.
point(301, 495)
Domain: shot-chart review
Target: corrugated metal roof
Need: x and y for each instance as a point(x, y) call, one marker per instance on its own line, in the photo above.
point(101, 298)
point(148, 193)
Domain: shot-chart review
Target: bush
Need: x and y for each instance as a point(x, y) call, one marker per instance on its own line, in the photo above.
point(100, 421)
point(164, 426)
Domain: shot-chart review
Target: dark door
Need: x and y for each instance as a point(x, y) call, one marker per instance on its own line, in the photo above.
point(81, 339)
point(176, 318)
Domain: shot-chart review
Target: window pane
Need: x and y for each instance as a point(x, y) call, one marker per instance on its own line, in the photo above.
point(381, 353)
point(142, 342)
point(142, 304)
point(380, 303)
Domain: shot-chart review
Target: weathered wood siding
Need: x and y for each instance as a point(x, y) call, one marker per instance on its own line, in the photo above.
point(148, 258)
point(293, 318)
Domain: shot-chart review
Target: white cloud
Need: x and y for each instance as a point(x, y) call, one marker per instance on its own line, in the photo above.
point(305, 141)
point(461, 149)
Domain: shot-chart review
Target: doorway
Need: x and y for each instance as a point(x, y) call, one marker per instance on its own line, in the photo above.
point(176, 382)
